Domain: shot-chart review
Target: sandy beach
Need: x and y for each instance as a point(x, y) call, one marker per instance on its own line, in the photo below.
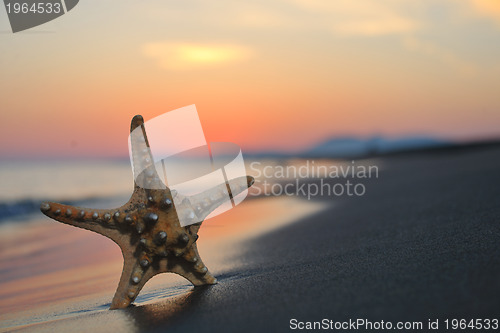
point(422, 243)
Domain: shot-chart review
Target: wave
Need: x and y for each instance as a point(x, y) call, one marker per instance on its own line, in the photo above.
point(28, 208)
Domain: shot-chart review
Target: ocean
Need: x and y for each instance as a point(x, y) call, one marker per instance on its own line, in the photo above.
point(109, 183)
point(95, 183)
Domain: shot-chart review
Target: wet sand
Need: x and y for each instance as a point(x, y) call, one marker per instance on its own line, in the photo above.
point(423, 243)
point(57, 277)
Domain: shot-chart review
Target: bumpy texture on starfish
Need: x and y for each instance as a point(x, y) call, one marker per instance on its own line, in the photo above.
point(147, 227)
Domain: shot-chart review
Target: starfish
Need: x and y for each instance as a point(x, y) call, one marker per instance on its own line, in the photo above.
point(147, 228)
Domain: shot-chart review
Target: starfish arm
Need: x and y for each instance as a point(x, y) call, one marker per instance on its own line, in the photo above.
point(137, 270)
point(206, 202)
point(145, 175)
point(101, 221)
point(136, 121)
point(190, 266)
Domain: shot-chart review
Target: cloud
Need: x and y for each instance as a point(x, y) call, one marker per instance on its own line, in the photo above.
point(487, 8)
point(258, 15)
point(376, 27)
point(341, 17)
point(362, 17)
point(442, 54)
point(187, 56)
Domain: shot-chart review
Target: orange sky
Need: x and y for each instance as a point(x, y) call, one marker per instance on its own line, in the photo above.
point(275, 74)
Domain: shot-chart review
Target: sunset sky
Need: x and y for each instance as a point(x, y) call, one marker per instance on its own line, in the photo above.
point(265, 74)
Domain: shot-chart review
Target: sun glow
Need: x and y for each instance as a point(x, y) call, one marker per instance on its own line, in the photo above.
point(183, 56)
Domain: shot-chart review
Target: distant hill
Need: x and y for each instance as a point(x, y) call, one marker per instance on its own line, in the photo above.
point(348, 147)
point(354, 147)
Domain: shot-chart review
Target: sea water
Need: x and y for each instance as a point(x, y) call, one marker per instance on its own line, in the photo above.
point(94, 183)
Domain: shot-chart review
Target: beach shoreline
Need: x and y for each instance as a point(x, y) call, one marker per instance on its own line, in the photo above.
point(423, 243)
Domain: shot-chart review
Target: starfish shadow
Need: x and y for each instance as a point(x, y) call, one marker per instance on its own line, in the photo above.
point(166, 312)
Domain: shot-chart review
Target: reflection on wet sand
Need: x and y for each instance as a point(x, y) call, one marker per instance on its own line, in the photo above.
point(56, 277)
